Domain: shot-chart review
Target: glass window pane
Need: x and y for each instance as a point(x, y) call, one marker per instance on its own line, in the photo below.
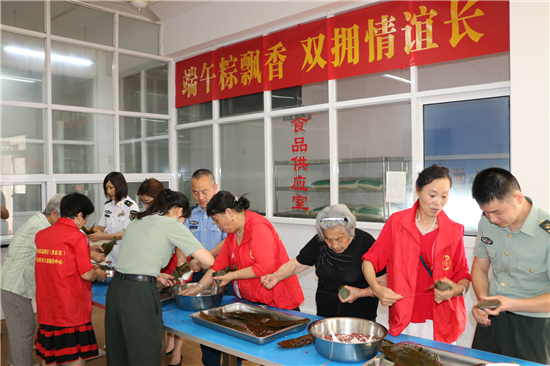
point(143, 145)
point(463, 72)
point(157, 156)
point(303, 138)
point(82, 76)
point(133, 188)
point(241, 105)
point(138, 76)
point(22, 202)
point(23, 68)
point(130, 157)
point(82, 143)
point(466, 137)
point(94, 191)
point(371, 141)
point(242, 161)
point(23, 140)
point(156, 127)
point(23, 14)
point(81, 22)
point(138, 35)
point(195, 151)
point(301, 95)
point(374, 85)
point(195, 113)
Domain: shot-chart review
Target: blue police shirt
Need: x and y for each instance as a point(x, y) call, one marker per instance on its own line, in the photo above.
point(204, 228)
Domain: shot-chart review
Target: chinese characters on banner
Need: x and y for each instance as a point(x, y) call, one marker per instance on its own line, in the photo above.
point(299, 149)
point(388, 36)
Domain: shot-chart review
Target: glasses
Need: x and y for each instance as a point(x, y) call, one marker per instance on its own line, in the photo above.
point(340, 240)
point(146, 204)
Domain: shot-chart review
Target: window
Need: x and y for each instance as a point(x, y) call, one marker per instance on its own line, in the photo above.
point(301, 95)
point(81, 22)
point(195, 113)
point(301, 142)
point(143, 145)
point(373, 140)
point(23, 68)
point(82, 143)
point(242, 105)
point(23, 140)
point(195, 151)
point(468, 71)
point(242, 161)
point(466, 137)
point(140, 76)
point(58, 130)
point(22, 202)
point(374, 85)
point(23, 14)
point(82, 76)
point(138, 35)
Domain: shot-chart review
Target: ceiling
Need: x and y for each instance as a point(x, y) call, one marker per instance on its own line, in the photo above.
point(164, 9)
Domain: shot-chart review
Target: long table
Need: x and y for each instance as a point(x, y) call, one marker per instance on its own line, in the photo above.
point(178, 322)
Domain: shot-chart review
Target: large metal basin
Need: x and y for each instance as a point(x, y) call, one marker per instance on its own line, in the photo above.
point(345, 352)
point(209, 298)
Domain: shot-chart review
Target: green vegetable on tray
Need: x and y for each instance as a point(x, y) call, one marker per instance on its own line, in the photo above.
point(89, 231)
point(343, 291)
point(230, 268)
point(108, 247)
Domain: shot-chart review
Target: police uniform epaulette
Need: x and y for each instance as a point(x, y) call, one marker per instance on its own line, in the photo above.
point(545, 225)
point(108, 202)
point(128, 203)
point(195, 206)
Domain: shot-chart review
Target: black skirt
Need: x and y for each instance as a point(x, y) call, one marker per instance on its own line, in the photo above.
point(65, 344)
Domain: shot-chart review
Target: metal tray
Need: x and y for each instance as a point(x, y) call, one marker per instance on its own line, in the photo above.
point(166, 298)
point(447, 359)
point(248, 336)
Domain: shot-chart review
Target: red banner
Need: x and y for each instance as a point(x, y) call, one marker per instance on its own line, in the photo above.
point(300, 53)
point(388, 36)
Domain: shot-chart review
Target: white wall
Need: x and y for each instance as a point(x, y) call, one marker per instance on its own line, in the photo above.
point(218, 22)
point(530, 98)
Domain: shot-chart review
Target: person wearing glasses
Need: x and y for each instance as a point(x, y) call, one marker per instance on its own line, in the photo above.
point(117, 213)
point(336, 252)
point(148, 190)
point(419, 246)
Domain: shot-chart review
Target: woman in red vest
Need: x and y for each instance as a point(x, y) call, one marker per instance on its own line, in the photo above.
point(419, 246)
point(64, 273)
point(253, 245)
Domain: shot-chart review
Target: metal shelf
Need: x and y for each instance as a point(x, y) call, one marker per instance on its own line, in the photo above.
point(384, 167)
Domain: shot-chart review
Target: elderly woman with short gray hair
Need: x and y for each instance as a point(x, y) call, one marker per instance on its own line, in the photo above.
point(336, 253)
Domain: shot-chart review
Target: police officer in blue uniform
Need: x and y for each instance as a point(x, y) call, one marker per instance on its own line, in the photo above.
point(203, 227)
point(209, 235)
